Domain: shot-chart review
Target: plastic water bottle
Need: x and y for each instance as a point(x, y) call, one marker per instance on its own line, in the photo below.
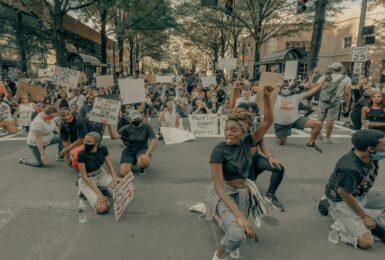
point(333, 233)
point(82, 211)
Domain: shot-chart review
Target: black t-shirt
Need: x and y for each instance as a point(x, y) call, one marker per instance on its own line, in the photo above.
point(73, 131)
point(136, 139)
point(353, 175)
point(93, 161)
point(235, 159)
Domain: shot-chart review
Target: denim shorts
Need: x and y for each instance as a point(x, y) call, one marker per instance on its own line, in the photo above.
point(282, 131)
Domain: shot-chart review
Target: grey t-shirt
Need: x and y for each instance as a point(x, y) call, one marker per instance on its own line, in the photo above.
point(341, 87)
point(46, 129)
point(286, 109)
point(136, 139)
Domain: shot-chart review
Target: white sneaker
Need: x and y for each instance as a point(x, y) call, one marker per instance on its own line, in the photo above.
point(200, 208)
point(215, 257)
point(234, 254)
point(330, 141)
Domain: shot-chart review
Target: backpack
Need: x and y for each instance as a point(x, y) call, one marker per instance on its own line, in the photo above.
point(328, 92)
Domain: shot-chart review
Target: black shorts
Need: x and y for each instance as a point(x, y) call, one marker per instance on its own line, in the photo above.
point(131, 157)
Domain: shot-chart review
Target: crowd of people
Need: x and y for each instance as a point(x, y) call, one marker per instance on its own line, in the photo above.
point(233, 200)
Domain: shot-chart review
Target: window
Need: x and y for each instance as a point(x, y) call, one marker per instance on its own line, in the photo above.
point(369, 40)
point(298, 44)
point(347, 43)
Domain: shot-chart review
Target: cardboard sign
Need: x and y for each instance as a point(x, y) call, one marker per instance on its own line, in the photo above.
point(132, 91)
point(149, 78)
point(122, 195)
point(175, 136)
point(83, 78)
point(105, 109)
point(207, 81)
point(268, 79)
point(45, 74)
point(360, 53)
point(204, 125)
point(104, 81)
point(291, 69)
point(163, 79)
point(37, 94)
point(65, 77)
point(230, 64)
point(222, 124)
point(25, 118)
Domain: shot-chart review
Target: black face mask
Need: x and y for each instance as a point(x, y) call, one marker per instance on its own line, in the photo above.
point(89, 147)
point(136, 123)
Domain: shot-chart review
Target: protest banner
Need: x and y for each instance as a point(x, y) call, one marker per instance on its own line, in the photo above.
point(45, 74)
point(268, 79)
point(229, 64)
point(209, 80)
point(203, 125)
point(36, 94)
point(132, 91)
point(149, 78)
point(175, 136)
point(65, 77)
point(104, 81)
point(122, 195)
point(25, 118)
point(163, 79)
point(105, 109)
point(291, 70)
point(222, 123)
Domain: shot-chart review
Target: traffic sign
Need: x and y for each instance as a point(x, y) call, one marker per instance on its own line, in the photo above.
point(360, 54)
point(357, 69)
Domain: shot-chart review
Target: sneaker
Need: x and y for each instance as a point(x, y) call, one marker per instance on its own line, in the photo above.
point(330, 141)
point(22, 159)
point(273, 200)
point(59, 158)
point(321, 137)
point(234, 254)
point(215, 257)
point(142, 172)
point(313, 147)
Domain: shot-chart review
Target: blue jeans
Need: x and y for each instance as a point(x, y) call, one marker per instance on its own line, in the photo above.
point(36, 153)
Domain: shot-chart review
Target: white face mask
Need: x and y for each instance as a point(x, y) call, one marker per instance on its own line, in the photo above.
point(285, 92)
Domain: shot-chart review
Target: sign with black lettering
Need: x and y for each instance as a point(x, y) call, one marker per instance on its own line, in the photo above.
point(105, 109)
point(65, 77)
point(122, 195)
point(360, 54)
point(204, 125)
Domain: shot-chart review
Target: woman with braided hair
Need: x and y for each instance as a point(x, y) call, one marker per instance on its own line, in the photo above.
point(233, 200)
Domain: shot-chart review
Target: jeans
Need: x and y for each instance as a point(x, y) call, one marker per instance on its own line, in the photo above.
point(261, 164)
point(36, 153)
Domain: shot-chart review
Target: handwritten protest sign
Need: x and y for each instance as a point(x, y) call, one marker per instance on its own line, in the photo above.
point(230, 64)
point(222, 123)
point(65, 77)
point(104, 81)
point(175, 136)
point(122, 195)
point(45, 74)
point(105, 109)
point(37, 94)
point(163, 79)
point(204, 125)
point(25, 118)
point(149, 78)
point(132, 90)
point(207, 81)
point(268, 79)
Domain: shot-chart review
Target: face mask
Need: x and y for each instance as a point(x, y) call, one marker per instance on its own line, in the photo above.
point(377, 156)
point(89, 147)
point(285, 92)
point(136, 123)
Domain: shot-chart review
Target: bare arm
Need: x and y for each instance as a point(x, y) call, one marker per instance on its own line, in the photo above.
point(233, 96)
point(39, 142)
point(349, 199)
point(113, 134)
point(364, 112)
point(347, 95)
point(110, 166)
point(151, 146)
point(268, 119)
point(264, 149)
point(313, 90)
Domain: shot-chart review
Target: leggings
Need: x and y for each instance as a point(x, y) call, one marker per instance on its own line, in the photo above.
point(261, 164)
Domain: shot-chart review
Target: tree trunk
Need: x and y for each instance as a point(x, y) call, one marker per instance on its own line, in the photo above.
point(120, 49)
point(318, 26)
point(103, 36)
point(20, 43)
point(137, 59)
point(131, 47)
point(58, 32)
point(235, 46)
point(223, 45)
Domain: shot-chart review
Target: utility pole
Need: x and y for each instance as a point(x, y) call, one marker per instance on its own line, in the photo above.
point(360, 36)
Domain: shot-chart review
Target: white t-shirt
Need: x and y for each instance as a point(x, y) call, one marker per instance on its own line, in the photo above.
point(5, 110)
point(46, 129)
point(286, 109)
point(340, 90)
point(242, 100)
point(26, 108)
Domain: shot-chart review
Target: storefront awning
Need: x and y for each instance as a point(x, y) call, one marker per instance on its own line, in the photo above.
point(80, 59)
point(282, 56)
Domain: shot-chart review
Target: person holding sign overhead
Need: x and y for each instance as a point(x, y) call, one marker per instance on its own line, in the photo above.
point(139, 140)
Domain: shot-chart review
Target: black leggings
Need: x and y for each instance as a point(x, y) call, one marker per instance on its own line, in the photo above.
point(261, 164)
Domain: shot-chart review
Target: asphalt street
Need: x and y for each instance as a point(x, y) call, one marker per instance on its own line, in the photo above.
point(42, 221)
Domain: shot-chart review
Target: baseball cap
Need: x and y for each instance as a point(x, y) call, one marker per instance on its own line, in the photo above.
point(336, 66)
point(135, 115)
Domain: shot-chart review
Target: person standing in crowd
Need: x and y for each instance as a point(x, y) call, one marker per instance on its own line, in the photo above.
point(349, 190)
point(62, 101)
point(139, 140)
point(84, 116)
point(315, 76)
point(181, 102)
point(93, 176)
point(356, 113)
point(373, 115)
point(169, 117)
point(78, 99)
point(287, 116)
point(246, 96)
point(41, 134)
point(40, 106)
point(6, 119)
point(27, 107)
point(229, 201)
point(213, 105)
point(336, 90)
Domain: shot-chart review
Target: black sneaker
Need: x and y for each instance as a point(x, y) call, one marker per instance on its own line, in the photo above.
point(273, 200)
point(323, 206)
point(313, 147)
point(142, 172)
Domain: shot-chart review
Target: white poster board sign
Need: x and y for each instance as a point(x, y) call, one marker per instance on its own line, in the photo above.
point(65, 77)
point(122, 195)
point(207, 81)
point(230, 64)
point(45, 74)
point(360, 54)
point(105, 109)
point(132, 91)
point(204, 125)
point(25, 118)
point(179, 78)
point(104, 81)
point(163, 79)
point(222, 124)
point(291, 69)
point(175, 136)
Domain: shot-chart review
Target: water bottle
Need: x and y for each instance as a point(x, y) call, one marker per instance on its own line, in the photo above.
point(82, 211)
point(333, 233)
